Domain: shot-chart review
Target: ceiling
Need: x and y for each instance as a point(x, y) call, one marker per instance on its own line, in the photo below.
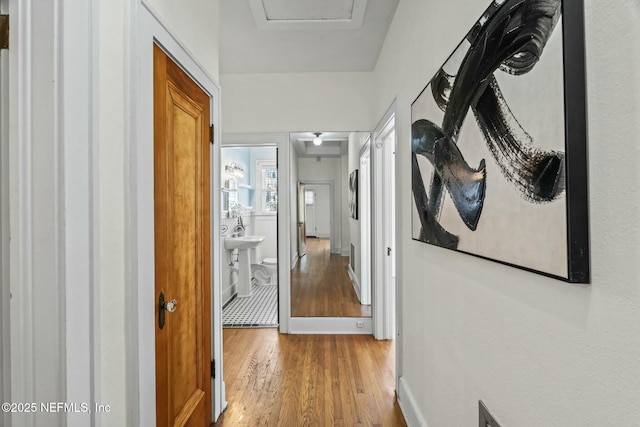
point(334, 144)
point(293, 36)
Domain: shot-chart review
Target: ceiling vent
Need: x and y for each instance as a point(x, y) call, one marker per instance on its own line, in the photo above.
point(308, 14)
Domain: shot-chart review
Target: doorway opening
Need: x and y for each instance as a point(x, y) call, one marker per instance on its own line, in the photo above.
point(144, 307)
point(318, 208)
point(317, 200)
point(325, 279)
point(249, 231)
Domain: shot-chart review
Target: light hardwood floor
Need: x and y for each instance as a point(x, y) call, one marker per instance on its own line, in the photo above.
point(308, 380)
point(320, 285)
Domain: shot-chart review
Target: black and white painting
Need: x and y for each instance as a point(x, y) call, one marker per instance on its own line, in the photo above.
point(493, 136)
point(353, 194)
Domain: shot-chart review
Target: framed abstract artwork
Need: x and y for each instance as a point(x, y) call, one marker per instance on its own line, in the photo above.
point(353, 194)
point(499, 146)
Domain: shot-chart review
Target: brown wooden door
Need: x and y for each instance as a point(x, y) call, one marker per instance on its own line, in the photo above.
point(302, 227)
point(182, 236)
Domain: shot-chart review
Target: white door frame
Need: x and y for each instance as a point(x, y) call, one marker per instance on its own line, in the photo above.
point(365, 222)
point(383, 318)
point(57, 238)
point(57, 307)
point(280, 140)
point(148, 28)
point(5, 337)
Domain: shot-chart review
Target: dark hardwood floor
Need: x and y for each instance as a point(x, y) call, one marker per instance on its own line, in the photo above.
point(308, 380)
point(321, 287)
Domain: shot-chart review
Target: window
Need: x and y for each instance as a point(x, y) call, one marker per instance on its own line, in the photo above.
point(267, 184)
point(309, 197)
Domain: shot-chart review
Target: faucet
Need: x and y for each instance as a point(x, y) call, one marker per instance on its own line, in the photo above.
point(239, 228)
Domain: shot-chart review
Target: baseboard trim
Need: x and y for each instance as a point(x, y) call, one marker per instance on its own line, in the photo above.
point(345, 252)
point(228, 294)
point(294, 261)
point(355, 282)
point(408, 406)
point(331, 325)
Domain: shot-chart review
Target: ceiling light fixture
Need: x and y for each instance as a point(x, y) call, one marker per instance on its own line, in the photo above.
point(317, 140)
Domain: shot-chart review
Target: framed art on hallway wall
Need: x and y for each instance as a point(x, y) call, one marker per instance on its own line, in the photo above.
point(353, 194)
point(499, 147)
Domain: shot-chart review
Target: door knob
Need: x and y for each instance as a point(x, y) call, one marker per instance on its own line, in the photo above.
point(163, 306)
point(171, 306)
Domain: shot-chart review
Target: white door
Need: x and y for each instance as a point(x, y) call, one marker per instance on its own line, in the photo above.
point(310, 209)
point(383, 245)
point(322, 210)
point(389, 197)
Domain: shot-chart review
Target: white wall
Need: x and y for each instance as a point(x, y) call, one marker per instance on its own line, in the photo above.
point(296, 102)
point(537, 351)
point(196, 24)
point(328, 169)
point(266, 225)
point(258, 103)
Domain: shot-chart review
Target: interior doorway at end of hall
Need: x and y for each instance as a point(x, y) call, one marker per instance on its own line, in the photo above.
point(318, 210)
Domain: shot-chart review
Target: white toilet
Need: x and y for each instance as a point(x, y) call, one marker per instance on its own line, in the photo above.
point(265, 271)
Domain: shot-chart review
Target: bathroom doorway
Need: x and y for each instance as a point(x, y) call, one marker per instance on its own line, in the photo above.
point(249, 234)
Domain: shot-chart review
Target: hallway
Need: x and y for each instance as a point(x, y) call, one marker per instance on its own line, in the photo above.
point(308, 380)
point(97, 279)
point(320, 285)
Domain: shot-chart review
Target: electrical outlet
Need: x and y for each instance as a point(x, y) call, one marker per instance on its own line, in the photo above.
point(486, 419)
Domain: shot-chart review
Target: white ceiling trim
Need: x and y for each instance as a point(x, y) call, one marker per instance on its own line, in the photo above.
point(262, 22)
point(334, 144)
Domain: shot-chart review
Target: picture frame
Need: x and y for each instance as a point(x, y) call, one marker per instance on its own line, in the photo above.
point(499, 142)
point(353, 194)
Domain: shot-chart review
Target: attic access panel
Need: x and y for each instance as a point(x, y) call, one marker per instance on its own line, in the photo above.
point(308, 10)
point(308, 14)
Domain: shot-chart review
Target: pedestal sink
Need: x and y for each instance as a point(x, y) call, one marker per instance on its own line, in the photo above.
point(243, 244)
